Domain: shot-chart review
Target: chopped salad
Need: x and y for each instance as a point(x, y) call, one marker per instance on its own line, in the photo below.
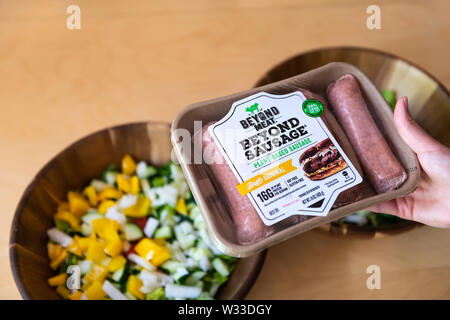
point(136, 233)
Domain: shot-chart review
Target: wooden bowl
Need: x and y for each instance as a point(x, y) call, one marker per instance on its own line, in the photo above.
point(429, 104)
point(73, 168)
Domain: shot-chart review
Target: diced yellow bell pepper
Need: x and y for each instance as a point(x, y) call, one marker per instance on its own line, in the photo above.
point(134, 285)
point(77, 204)
point(75, 246)
point(76, 295)
point(114, 248)
point(91, 194)
point(160, 257)
point(146, 248)
point(109, 193)
point(116, 263)
point(96, 251)
point(128, 165)
point(99, 224)
point(54, 264)
point(83, 243)
point(160, 241)
point(123, 184)
point(95, 291)
point(58, 280)
point(180, 207)
point(63, 291)
point(135, 188)
point(63, 206)
point(69, 218)
point(152, 251)
point(110, 232)
point(140, 209)
point(106, 229)
point(105, 205)
point(54, 250)
point(97, 272)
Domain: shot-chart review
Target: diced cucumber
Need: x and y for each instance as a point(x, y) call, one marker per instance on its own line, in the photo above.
point(180, 273)
point(184, 237)
point(171, 266)
point(213, 289)
point(185, 227)
point(163, 233)
point(187, 241)
point(132, 232)
point(167, 216)
point(118, 275)
point(194, 278)
point(198, 253)
point(194, 213)
point(90, 216)
point(221, 267)
point(218, 278)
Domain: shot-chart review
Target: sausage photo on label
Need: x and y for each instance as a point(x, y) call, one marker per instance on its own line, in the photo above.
point(379, 163)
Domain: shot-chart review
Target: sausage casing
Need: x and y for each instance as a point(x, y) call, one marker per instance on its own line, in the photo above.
point(379, 163)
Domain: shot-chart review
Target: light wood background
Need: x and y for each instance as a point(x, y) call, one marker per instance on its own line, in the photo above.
point(145, 60)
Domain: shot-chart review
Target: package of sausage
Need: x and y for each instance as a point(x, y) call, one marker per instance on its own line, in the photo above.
point(269, 163)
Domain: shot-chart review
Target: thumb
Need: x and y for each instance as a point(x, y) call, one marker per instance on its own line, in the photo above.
point(411, 132)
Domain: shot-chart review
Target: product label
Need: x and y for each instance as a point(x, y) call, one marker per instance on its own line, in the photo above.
point(283, 155)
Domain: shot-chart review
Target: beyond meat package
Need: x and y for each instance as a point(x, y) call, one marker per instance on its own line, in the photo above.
point(272, 162)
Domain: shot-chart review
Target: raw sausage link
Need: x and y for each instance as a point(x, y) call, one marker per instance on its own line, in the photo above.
point(380, 165)
point(250, 227)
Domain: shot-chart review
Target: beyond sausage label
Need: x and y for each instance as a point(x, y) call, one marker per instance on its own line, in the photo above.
point(283, 155)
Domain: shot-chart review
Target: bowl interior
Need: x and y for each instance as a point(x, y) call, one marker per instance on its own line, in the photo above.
point(72, 169)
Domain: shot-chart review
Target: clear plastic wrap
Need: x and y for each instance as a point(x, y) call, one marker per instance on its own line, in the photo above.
point(348, 105)
point(234, 224)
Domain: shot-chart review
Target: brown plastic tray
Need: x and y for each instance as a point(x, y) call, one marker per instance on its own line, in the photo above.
point(215, 212)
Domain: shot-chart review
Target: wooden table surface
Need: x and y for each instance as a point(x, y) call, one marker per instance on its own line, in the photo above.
point(145, 60)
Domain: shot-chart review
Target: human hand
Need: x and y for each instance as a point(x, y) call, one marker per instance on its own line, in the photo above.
point(430, 202)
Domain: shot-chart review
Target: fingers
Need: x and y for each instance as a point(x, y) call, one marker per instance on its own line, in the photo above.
point(389, 207)
point(413, 134)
